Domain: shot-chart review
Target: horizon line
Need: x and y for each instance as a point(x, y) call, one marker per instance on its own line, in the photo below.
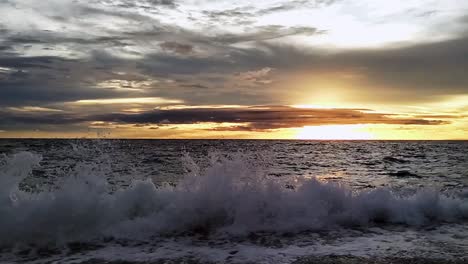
point(264, 139)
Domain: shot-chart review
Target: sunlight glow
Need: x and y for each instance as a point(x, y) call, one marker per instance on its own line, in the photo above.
point(335, 132)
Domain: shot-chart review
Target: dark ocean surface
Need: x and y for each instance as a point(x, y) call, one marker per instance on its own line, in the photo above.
point(236, 201)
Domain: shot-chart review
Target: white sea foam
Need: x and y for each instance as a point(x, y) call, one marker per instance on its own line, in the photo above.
point(231, 196)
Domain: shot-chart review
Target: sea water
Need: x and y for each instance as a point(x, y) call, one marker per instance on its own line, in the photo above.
point(235, 201)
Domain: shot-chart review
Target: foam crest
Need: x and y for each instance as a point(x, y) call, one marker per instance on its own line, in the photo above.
point(13, 169)
point(230, 196)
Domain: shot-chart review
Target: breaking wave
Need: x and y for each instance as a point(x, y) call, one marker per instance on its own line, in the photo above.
point(230, 196)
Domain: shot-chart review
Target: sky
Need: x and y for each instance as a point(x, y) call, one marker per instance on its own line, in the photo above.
point(296, 69)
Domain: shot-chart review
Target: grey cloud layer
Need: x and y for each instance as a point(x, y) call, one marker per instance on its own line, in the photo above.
point(260, 118)
point(45, 67)
point(263, 118)
point(416, 72)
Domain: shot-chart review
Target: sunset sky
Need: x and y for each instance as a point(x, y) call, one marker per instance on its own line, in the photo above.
point(297, 69)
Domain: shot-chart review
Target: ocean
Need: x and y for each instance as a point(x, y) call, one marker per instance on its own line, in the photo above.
point(233, 201)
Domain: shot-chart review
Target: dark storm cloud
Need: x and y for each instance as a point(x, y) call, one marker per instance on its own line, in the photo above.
point(256, 118)
point(14, 95)
point(39, 80)
point(263, 117)
point(165, 65)
point(162, 51)
point(30, 62)
point(417, 72)
point(9, 119)
point(50, 38)
point(434, 69)
point(196, 86)
point(177, 47)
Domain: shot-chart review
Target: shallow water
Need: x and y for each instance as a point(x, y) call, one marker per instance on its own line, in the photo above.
point(231, 200)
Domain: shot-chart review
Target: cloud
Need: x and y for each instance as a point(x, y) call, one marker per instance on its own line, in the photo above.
point(255, 75)
point(176, 47)
point(265, 117)
point(143, 100)
point(421, 72)
point(264, 33)
point(54, 38)
point(34, 109)
point(254, 118)
point(19, 62)
point(101, 50)
point(142, 3)
point(260, 77)
point(249, 11)
point(297, 4)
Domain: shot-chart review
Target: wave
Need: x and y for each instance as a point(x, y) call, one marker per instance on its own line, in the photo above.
point(230, 196)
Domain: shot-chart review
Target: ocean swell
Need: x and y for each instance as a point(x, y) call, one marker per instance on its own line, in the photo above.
point(230, 196)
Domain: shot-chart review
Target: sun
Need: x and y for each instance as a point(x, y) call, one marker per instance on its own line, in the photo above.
point(335, 132)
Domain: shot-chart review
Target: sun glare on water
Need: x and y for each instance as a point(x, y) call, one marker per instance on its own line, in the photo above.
point(335, 132)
